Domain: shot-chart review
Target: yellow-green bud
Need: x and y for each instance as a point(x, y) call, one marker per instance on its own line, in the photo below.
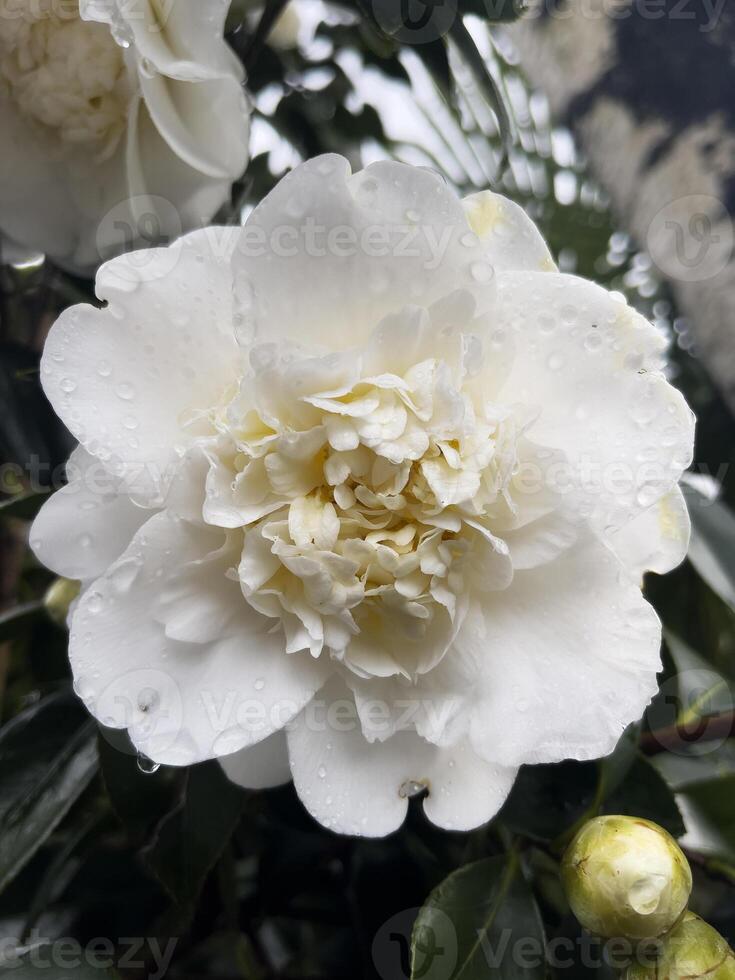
point(691, 951)
point(626, 877)
point(59, 598)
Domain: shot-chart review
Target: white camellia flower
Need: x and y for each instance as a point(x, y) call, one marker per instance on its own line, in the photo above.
point(364, 495)
point(124, 122)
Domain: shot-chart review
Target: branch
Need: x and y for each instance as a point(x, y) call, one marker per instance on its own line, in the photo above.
point(713, 728)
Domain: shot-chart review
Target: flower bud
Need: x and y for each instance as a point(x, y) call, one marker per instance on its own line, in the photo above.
point(626, 877)
point(692, 950)
point(59, 597)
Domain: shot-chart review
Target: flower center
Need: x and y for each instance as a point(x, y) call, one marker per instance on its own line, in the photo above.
point(366, 498)
point(64, 73)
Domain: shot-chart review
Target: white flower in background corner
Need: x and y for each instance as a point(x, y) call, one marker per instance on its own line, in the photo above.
point(380, 488)
point(124, 122)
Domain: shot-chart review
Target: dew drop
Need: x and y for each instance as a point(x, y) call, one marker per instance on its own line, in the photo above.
point(94, 603)
point(411, 788)
point(482, 271)
point(147, 68)
point(146, 765)
point(67, 385)
point(644, 896)
point(125, 391)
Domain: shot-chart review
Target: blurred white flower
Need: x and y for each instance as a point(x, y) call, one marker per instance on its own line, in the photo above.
point(284, 34)
point(124, 122)
point(364, 495)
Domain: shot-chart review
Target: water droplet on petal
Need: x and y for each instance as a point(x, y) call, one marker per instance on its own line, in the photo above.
point(482, 271)
point(125, 391)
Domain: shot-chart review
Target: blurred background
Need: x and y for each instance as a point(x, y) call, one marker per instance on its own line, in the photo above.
point(612, 124)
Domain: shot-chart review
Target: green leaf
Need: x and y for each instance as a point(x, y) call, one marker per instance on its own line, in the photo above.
point(644, 793)
point(615, 767)
point(710, 815)
point(703, 691)
point(48, 757)
point(139, 799)
point(436, 61)
point(68, 961)
point(693, 702)
point(29, 430)
point(480, 922)
point(487, 84)
point(190, 839)
point(547, 800)
point(24, 506)
point(682, 771)
point(13, 620)
point(712, 546)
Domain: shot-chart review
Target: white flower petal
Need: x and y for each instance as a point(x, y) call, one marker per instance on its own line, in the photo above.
point(464, 790)
point(179, 38)
point(566, 658)
point(261, 766)
point(204, 123)
point(84, 527)
point(164, 191)
point(656, 540)
point(198, 700)
point(511, 240)
point(353, 248)
point(542, 540)
point(354, 786)
point(592, 366)
point(126, 379)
